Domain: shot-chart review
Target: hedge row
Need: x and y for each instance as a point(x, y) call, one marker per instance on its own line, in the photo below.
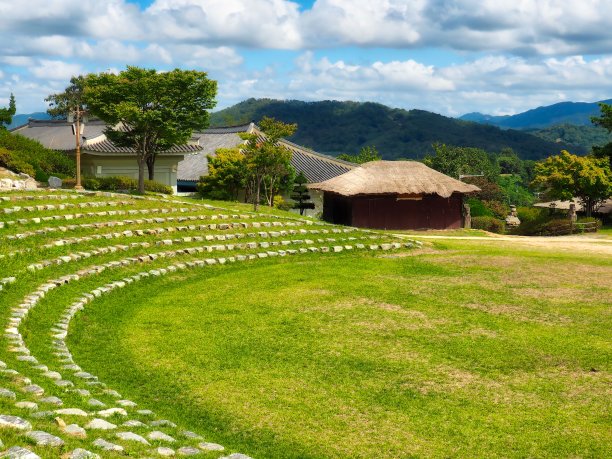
point(117, 184)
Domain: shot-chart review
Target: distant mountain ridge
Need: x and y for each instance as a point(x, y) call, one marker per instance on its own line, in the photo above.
point(20, 120)
point(334, 127)
point(577, 113)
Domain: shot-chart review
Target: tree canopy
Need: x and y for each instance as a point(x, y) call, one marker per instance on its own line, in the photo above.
point(268, 162)
point(150, 111)
point(461, 161)
point(6, 113)
point(605, 121)
point(227, 175)
point(567, 176)
point(365, 155)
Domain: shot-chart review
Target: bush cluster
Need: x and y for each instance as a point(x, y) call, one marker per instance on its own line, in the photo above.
point(21, 154)
point(117, 184)
point(491, 224)
point(10, 160)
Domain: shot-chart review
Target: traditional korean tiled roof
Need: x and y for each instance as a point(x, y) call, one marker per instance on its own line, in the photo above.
point(315, 166)
point(195, 165)
point(59, 134)
point(108, 147)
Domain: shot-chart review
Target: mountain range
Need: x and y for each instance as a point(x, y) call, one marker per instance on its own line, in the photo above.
point(334, 127)
point(572, 113)
point(20, 120)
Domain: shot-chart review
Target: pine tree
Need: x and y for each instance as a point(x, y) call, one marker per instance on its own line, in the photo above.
point(6, 114)
point(300, 194)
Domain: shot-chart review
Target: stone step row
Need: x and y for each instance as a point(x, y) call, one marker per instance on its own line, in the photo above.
point(172, 229)
point(155, 220)
point(110, 224)
point(40, 197)
point(73, 257)
point(104, 213)
point(64, 206)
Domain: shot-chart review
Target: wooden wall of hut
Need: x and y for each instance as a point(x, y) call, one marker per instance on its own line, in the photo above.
point(389, 212)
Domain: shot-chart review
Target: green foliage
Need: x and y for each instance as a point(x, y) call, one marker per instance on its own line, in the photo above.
point(227, 175)
point(280, 203)
point(40, 161)
point(605, 118)
point(478, 208)
point(268, 163)
point(334, 127)
point(581, 136)
point(458, 161)
point(156, 110)
point(514, 192)
point(6, 113)
point(365, 155)
point(69, 102)
point(489, 190)
point(534, 220)
point(604, 151)
point(300, 194)
point(567, 176)
point(491, 224)
point(10, 160)
point(118, 183)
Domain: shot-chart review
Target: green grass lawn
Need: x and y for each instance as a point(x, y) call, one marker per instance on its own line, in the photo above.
point(459, 350)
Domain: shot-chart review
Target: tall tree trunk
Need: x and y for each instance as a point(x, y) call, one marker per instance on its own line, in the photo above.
point(151, 167)
point(141, 175)
point(257, 194)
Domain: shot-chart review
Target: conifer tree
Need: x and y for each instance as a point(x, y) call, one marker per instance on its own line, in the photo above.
point(300, 194)
point(6, 114)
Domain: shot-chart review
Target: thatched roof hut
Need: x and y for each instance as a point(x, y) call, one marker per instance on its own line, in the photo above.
point(394, 177)
point(394, 195)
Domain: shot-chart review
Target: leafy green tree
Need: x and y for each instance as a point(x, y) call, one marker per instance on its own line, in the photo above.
point(6, 113)
point(365, 155)
point(567, 176)
point(300, 194)
point(268, 161)
point(227, 175)
point(605, 121)
point(71, 103)
point(461, 161)
point(605, 118)
point(150, 111)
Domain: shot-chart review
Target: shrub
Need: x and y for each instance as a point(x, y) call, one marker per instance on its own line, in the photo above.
point(478, 209)
point(118, 183)
point(556, 226)
point(497, 208)
point(13, 162)
point(39, 158)
point(280, 203)
point(491, 224)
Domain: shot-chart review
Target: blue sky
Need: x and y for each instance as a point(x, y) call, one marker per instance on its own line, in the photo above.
point(447, 56)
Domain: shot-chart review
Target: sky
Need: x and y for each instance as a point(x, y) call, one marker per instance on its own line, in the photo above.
point(447, 56)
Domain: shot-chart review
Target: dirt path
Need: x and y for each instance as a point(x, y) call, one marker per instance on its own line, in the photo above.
point(583, 243)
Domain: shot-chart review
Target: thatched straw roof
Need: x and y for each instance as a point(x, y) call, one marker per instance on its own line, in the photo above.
point(394, 177)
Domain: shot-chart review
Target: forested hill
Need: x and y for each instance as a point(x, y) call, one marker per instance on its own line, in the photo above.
point(573, 113)
point(345, 127)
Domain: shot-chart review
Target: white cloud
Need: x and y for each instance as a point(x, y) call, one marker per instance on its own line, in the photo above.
point(56, 70)
point(256, 23)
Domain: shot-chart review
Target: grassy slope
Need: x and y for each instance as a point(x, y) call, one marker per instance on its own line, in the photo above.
point(467, 351)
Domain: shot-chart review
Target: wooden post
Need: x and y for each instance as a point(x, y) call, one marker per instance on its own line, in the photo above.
point(78, 185)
